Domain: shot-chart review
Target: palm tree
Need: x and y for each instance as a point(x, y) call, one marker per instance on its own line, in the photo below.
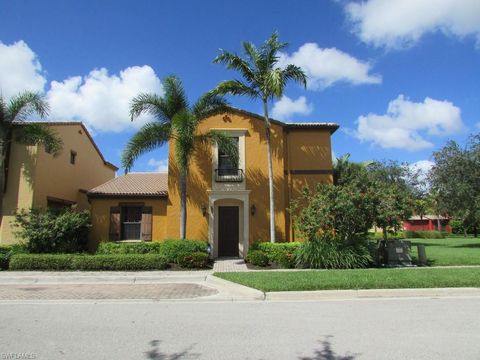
point(264, 80)
point(13, 116)
point(176, 120)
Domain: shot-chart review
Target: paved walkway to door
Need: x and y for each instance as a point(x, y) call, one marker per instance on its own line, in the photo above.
point(229, 265)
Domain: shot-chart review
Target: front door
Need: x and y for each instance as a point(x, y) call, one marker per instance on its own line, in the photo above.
point(228, 233)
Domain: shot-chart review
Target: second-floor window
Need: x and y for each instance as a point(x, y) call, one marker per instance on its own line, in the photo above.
point(226, 165)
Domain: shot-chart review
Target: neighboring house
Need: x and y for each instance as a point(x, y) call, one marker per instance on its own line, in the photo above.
point(35, 179)
point(226, 206)
point(428, 223)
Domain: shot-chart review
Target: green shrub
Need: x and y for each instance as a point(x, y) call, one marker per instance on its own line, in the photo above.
point(390, 235)
point(7, 251)
point(125, 262)
point(425, 235)
point(58, 262)
point(326, 252)
point(195, 260)
point(283, 254)
point(110, 248)
point(53, 231)
point(257, 258)
point(52, 262)
point(171, 249)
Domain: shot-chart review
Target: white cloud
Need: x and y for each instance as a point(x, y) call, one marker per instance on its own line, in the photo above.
point(285, 107)
point(20, 70)
point(423, 166)
point(399, 23)
point(102, 100)
point(406, 123)
point(325, 67)
point(158, 165)
point(478, 125)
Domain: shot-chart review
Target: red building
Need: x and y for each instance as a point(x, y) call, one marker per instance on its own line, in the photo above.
point(428, 223)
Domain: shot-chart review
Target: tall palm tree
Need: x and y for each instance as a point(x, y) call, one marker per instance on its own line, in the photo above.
point(13, 116)
point(176, 120)
point(262, 79)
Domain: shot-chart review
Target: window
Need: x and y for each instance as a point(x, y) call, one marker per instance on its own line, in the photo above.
point(73, 156)
point(131, 222)
point(226, 165)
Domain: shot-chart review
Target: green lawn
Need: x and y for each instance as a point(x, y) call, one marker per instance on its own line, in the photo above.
point(356, 279)
point(450, 251)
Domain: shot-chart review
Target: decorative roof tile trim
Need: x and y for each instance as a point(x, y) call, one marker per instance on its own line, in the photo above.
point(109, 164)
point(291, 126)
point(133, 185)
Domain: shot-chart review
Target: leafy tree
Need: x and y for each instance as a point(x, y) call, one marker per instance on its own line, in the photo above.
point(394, 189)
point(455, 178)
point(262, 79)
point(13, 126)
point(176, 120)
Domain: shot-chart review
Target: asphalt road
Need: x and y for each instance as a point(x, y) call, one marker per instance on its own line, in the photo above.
point(447, 328)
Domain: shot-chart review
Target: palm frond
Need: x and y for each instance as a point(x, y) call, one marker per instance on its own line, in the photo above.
point(149, 137)
point(295, 73)
point(24, 105)
point(269, 52)
point(235, 62)
point(235, 87)
point(152, 104)
point(224, 142)
point(3, 111)
point(184, 126)
point(208, 105)
point(175, 97)
point(39, 134)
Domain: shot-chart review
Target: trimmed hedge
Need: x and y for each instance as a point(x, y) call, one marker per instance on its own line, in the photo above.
point(283, 254)
point(257, 258)
point(379, 235)
point(425, 235)
point(62, 262)
point(7, 251)
point(195, 260)
point(171, 249)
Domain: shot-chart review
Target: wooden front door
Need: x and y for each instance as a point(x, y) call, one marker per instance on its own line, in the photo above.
point(228, 231)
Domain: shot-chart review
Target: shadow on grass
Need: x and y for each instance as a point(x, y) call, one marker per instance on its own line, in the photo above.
point(429, 262)
point(467, 246)
point(325, 352)
point(156, 354)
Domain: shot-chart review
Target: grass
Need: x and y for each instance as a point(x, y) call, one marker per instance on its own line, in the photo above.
point(450, 251)
point(356, 279)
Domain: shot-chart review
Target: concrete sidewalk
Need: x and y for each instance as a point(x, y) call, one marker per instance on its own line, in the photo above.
point(178, 286)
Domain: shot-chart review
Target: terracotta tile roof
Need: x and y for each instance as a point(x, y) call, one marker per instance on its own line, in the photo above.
point(133, 185)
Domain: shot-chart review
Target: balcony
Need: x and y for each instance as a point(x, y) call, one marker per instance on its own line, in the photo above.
point(229, 175)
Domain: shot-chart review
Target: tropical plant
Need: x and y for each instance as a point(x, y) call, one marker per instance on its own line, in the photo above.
point(176, 120)
point(264, 79)
point(13, 127)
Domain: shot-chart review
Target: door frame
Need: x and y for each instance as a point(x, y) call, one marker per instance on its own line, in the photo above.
point(229, 198)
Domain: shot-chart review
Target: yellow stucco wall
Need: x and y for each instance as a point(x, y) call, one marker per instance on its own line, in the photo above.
point(100, 208)
point(295, 150)
point(34, 175)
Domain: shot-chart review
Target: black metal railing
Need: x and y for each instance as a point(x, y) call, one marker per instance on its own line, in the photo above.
point(229, 175)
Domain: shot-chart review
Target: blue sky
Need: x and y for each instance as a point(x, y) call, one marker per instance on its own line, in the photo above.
point(399, 76)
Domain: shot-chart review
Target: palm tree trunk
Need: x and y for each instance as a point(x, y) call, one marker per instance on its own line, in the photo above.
point(270, 172)
point(183, 203)
point(3, 151)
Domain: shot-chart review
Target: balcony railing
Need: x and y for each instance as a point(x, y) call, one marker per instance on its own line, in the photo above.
point(229, 175)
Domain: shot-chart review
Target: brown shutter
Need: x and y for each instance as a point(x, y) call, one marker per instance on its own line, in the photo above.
point(114, 233)
point(146, 223)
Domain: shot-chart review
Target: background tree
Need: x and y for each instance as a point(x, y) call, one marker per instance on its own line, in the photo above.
point(176, 120)
point(13, 126)
point(455, 178)
point(262, 79)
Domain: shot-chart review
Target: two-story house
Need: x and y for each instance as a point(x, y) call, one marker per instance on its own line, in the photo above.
point(35, 179)
point(227, 206)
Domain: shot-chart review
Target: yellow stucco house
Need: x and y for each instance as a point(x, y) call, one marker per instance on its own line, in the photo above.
point(228, 207)
point(35, 179)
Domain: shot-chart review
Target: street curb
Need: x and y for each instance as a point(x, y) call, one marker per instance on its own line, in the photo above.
point(236, 292)
point(371, 294)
